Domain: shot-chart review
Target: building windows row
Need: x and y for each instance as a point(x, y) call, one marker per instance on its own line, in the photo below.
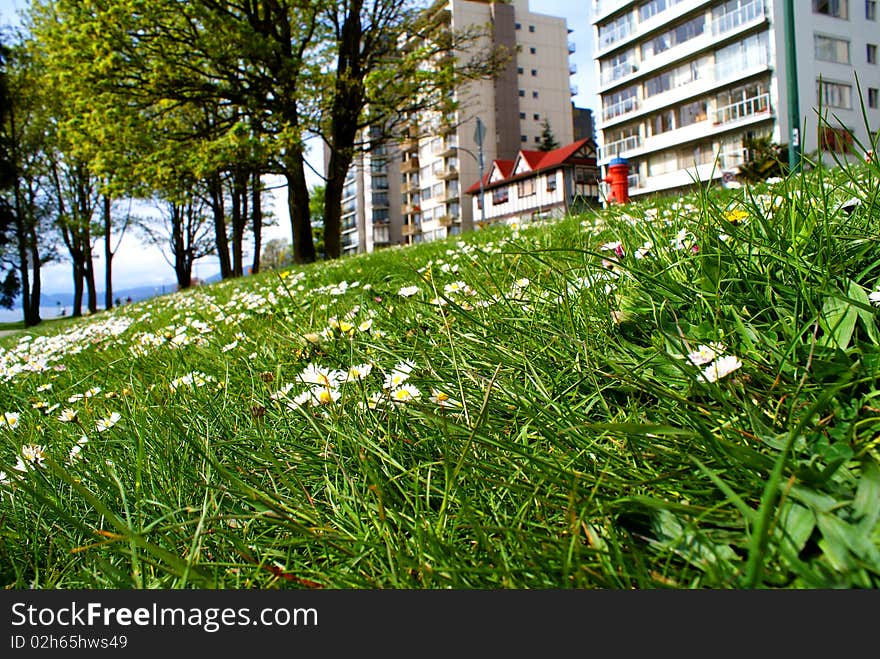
point(520, 70)
point(674, 37)
point(522, 93)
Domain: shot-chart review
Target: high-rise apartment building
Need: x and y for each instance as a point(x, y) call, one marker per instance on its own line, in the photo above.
point(682, 83)
point(415, 189)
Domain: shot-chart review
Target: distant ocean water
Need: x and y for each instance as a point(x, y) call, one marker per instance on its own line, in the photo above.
point(15, 314)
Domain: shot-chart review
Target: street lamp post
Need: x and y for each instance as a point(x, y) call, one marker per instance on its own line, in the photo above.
point(794, 114)
point(479, 134)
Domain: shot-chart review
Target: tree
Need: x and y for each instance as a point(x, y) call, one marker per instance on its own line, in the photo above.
point(548, 139)
point(765, 159)
point(24, 206)
point(276, 254)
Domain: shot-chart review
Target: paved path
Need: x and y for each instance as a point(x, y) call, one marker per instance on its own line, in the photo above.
point(5, 332)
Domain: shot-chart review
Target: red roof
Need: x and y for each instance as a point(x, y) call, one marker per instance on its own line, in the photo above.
point(537, 161)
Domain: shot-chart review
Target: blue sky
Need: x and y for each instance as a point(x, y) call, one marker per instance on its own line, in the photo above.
point(136, 264)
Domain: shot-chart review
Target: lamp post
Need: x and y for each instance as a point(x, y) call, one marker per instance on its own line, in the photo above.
point(479, 134)
point(794, 114)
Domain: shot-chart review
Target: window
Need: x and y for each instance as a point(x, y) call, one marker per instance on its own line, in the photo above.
point(838, 139)
point(871, 53)
point(518, 26)
point(662, 122)
point(522, 92)
point(523, 138)
point(536, 117)
point(691, 113)
point(871, 10)
point(531, 28)
point(873, 100)
point(551, 182)
point(534, 72)
point(831, 49)
point(522, 115)
point(678, 35)
point(834, 8)
point(533, 50)
point(534, 94)
point(834, 94)
point(526, 187)
point(499, 196)
point(520, 70)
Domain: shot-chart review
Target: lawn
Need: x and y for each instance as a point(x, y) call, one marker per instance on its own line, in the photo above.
point(680, 392)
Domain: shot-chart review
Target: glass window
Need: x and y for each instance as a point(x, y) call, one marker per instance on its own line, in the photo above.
point(871, 10)
point(526, 187)
point(835, 8)
point(674, 37)
point(830, 49)
point(691, 113)
point(873, 97)
point(871, 53)
point(834, 94)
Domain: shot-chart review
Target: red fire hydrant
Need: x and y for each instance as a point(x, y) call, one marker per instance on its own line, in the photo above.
point(618, 178)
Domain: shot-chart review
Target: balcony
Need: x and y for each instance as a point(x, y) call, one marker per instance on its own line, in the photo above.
point(754, 11)
point(619, 72)
point(409, 187)
point(446, 220)
point(447, 174)
point(409, 165)
point(572, 48)
point(410, 209)
point(743, 109)
point(574, 90)
point(613, 149)
point(620, 108)
point(729, 160)
point(449, 147)
point(572, 69)
point(410, 229)
point(409, 145)
point(611, 37)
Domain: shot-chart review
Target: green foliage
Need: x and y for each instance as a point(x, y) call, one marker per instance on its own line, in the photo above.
point(548, 139)
point(675, 393)
point(766, 159)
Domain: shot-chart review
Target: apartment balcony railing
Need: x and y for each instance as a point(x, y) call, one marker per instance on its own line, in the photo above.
point(409, 145)
point(617, 147)
point(410, 209)
point(624, 106)
point(572, 48)
point(742, 109)
point(409, 187)
point(634, 181)
point(572, 69)
point(447, 174)
point(618, 72)
point(574, 90)
point(446, 220)
point(409, 165)
point(611, 37)
point(449, 147)
point(410, 229)
point(732, 20)
point(730, 160)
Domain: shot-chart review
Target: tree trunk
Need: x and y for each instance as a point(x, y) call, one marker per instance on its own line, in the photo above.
point(89, 275)
point(239, 218)
point(337, 171)
point(298, 206)
point(32, 313)
point(77, 289)
point(108, 256)
point(218, 208)
point(257, 215)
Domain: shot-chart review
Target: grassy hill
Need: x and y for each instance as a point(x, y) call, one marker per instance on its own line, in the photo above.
point(677, 393)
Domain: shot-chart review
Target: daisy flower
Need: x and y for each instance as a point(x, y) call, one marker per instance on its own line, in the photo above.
point(11, 419)
point(875, 297)
point(720, 368)
point(32, 455)
point(441, 399)
point(405, 394)
point(705, 354)
point(67, 415)
point(358, 372)
point(108, 422)
point(408, 291)
point(314, 374)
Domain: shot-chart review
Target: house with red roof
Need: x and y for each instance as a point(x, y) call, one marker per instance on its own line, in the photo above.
point(538, 184)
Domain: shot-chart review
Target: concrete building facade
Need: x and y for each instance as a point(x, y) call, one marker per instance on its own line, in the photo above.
point(682, 83)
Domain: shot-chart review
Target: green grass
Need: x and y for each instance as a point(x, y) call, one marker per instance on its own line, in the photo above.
point(579, 447)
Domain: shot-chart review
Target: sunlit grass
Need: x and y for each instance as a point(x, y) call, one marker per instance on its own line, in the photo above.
point(680, 392)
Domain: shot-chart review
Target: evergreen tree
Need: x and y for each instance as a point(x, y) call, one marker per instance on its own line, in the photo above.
point(548, 139)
